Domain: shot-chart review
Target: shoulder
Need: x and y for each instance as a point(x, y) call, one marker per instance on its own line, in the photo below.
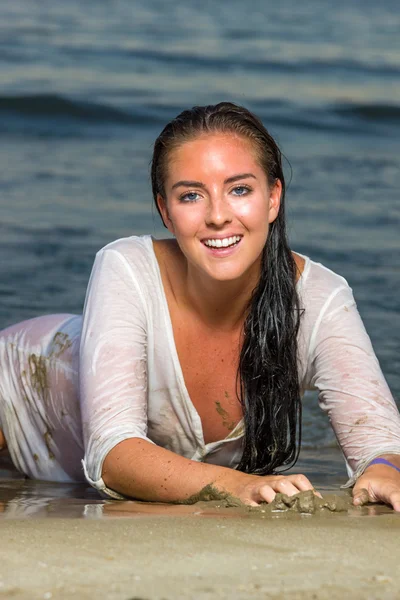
point(316, 276)
point(322, 290)
point(325, 297)
point(134, 253)
point(127, 261)
point(149, 263)
point(132, 245)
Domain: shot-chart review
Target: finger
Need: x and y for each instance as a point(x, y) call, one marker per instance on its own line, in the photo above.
point(284, 486)
point(303, 484)
point(360, 496)
point(317, 493)
point(392, 497)
point(267, 494)
point(395, 501)
point(251, 503)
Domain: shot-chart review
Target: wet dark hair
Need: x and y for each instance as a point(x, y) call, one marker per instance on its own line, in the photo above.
point(268, 370)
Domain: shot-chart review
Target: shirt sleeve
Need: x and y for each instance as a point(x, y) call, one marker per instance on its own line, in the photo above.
point(113, 362)
point(351, 385)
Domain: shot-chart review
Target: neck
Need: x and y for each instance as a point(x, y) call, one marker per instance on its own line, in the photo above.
point(221, 305)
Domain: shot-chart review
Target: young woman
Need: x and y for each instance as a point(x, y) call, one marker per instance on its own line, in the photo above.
point(193, 353)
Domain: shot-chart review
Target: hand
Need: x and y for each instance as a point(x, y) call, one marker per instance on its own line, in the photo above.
point(378, 483)
point(254, 489)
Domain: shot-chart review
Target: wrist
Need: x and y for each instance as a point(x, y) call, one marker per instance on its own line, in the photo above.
point(391, 461)
point(233, 482)
point(393, 458)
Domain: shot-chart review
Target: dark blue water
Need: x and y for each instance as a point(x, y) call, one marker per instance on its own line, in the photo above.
point(85, 87)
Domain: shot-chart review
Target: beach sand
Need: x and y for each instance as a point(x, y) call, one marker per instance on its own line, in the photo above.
point(158, 552)
point(61, 541)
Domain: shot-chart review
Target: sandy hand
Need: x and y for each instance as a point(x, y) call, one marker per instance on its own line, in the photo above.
point(254, 489)
point(379, 483)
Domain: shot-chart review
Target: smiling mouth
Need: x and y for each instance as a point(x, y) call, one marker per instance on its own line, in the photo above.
point(228, 242)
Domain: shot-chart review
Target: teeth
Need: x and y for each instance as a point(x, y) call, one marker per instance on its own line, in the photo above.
point(224, 243)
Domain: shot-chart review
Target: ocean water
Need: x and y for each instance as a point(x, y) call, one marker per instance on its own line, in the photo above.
point(86, 87)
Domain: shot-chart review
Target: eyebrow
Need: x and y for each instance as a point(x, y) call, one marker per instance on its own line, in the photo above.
point(199, 184)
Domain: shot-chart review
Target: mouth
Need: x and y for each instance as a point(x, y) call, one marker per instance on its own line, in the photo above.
point(222, 246)
point(226, 242)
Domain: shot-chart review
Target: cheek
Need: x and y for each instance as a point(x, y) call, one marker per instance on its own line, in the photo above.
point(186, 218)
point(252, 209)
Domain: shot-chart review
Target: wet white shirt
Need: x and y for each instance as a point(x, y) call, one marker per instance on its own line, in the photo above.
point(131, 382)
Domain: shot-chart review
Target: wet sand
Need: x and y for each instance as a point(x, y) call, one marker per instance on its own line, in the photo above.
point(192, 556)
point(62, 541)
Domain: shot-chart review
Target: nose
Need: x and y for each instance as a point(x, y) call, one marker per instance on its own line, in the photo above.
point(218, 212)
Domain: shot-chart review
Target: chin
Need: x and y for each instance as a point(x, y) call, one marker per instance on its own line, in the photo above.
point(235, 273)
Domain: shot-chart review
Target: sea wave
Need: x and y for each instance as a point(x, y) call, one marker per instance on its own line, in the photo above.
point(371, 112)
point(218, 61)
point(55, 106)
point(36, 114)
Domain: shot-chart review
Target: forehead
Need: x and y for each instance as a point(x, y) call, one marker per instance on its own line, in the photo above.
point(214, 151)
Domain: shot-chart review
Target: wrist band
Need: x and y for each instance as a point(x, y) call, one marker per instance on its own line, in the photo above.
point(383, 461)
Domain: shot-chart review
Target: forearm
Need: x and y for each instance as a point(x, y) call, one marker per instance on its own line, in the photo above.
point(141, 470)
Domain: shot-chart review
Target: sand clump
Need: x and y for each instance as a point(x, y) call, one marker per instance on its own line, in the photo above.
point(304, 502)
point(210, 494)
point(309, 503)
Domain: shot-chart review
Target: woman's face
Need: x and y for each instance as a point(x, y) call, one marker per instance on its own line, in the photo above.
point(219, 205)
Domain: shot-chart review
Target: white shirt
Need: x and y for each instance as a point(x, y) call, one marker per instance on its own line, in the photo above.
point(131, 382)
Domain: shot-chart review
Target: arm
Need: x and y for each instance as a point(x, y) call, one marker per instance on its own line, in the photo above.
point(113, 362)
point(354, 393)
point(119, 457)
point(141, 470)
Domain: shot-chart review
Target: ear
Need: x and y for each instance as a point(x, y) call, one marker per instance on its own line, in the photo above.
point(275, 200)
point(162, 207)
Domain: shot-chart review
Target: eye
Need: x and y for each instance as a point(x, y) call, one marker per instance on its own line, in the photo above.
point(241, 190)
point(189, 197)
